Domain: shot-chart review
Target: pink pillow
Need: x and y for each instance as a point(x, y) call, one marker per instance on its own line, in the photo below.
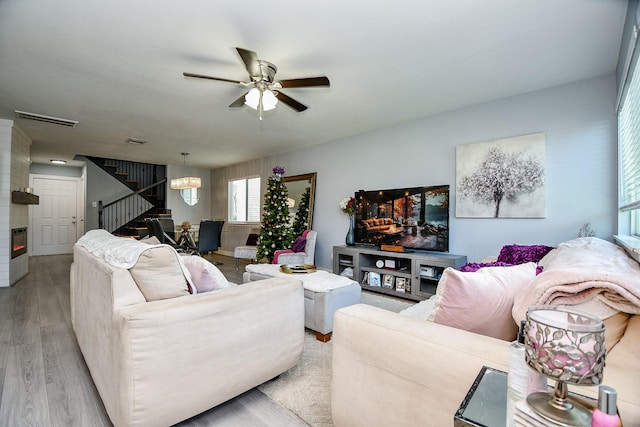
point(482, 301)
point(204, 275)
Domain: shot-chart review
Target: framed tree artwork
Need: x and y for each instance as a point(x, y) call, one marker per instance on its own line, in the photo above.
point(504, 178)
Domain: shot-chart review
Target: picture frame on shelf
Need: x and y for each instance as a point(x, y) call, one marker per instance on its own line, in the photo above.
point(407, 286)
point(401, 284)
point(387, 281)
point(374, 279)
point(365, 278)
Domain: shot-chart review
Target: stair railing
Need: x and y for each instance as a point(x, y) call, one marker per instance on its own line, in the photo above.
point(115, 214)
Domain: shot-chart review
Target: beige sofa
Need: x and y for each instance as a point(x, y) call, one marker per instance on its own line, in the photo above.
point(160, 362)
point(391, 369)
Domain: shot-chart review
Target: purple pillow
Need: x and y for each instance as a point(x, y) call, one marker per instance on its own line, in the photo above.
point(519, 254)
point(475, 266)
point(252, 240)
point(471, 267)
point(299, 244)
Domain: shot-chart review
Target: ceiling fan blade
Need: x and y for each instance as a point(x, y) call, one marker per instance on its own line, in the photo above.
point(285, 99)
point(200, 76)
point(238, 102)
point(305, 82)
point(251, 62)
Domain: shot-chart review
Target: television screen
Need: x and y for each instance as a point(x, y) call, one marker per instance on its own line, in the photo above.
point(415, 218)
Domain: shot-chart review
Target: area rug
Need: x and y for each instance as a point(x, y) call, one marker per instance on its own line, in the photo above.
point(305, 389)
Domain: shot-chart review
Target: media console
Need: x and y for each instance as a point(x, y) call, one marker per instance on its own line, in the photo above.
point(411, 275)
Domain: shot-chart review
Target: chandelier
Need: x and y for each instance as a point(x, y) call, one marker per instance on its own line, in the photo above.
point(186, 182)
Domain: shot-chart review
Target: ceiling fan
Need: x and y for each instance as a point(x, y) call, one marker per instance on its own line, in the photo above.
point(264, 91)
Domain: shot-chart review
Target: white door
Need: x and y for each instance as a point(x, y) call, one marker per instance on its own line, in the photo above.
point(55, 218)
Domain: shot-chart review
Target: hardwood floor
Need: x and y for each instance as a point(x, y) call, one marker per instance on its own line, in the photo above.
point(43, 378)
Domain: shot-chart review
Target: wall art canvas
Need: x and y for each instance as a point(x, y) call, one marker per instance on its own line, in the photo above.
point(504, 178)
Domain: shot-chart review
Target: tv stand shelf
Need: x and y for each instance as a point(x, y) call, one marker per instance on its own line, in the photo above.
point(379, 271)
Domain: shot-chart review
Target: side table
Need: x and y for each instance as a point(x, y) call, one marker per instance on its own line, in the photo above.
point(485, 404)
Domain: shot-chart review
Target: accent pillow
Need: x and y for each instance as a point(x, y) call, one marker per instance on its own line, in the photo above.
point(158, 274)
point(205, 276)
point(475, 266)
point(299, 244)
point(470, 267)
point(519, 254)
point(252, 240)
point(482, 301)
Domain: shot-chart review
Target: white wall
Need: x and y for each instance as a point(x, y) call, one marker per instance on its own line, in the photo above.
point(580, 128)
point(15, 157)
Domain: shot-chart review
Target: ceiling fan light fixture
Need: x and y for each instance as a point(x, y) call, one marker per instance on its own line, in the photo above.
point(252, 98)
point(269, 100)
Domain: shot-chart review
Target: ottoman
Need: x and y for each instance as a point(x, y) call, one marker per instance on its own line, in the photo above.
point(324, 293)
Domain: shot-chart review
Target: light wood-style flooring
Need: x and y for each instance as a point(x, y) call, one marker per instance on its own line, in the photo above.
point(43, 378)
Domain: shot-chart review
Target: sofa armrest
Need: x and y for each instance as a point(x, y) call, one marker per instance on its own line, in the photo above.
point(201, 350)
point(389, 369)
point(293, 258)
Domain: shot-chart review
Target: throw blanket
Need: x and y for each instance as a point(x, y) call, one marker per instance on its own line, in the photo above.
point(319, 281)
point(117, 251)
point(581, 270)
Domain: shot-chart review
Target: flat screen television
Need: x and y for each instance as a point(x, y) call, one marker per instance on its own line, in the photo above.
point(415, 218)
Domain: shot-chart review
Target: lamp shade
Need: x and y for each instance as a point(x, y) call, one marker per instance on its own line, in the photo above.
point(186, 182)
point(252, 98)
point(269, 100)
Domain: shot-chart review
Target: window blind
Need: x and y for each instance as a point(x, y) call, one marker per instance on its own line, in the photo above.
point(629, 140)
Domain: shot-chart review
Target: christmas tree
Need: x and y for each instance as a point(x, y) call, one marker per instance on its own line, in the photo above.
point(301, 221)
point(274, 232)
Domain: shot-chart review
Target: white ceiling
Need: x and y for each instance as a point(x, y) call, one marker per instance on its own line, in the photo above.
point(116, 67)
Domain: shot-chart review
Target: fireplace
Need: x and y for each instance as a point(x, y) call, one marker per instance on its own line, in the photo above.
point(18, 242)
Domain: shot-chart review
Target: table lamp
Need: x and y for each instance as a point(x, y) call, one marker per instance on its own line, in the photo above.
point(568, 347)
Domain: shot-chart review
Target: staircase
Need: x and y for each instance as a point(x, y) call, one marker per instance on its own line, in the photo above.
point(147, 199)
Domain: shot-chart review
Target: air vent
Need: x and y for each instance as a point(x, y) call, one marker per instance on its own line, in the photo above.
point(46, 119)
point(136, 141)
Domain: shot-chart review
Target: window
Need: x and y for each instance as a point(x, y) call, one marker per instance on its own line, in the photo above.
point(244, 200)
point(629, 147)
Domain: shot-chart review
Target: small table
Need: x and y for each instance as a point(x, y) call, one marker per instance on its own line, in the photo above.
point(485, 405)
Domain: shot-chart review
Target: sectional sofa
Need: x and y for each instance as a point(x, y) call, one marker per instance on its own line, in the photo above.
point(415, 368)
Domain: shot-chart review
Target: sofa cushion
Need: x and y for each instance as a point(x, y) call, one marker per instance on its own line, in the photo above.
point(482, 301)
point(159, 275)
point(614, 329)
point(205, 276)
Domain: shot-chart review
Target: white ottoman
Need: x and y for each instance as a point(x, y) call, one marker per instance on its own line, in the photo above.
point(324, 293)
point(245, 252)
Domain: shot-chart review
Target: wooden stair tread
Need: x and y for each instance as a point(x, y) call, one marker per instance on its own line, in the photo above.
point(120, 173)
